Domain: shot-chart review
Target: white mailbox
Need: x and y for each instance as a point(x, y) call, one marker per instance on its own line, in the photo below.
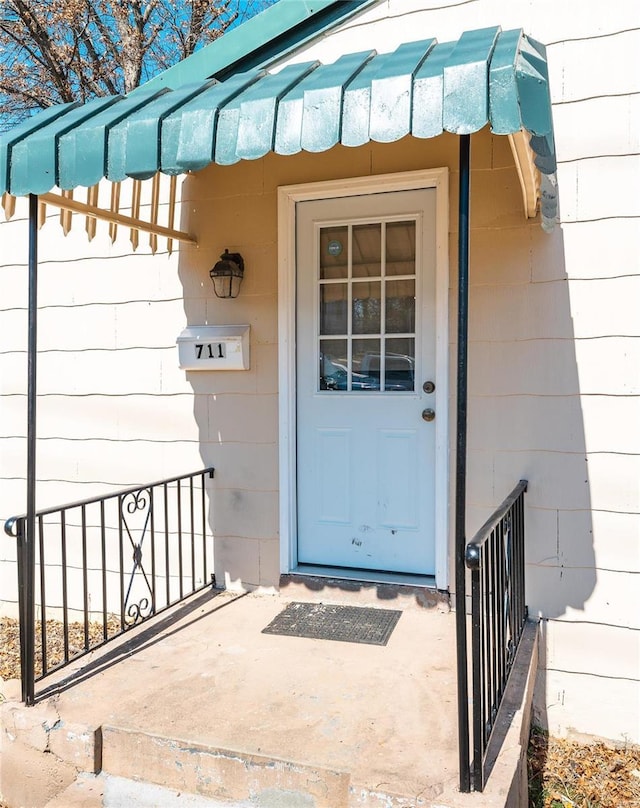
point(214, 347)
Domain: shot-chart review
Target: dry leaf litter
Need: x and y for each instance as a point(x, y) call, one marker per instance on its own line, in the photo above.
point(564, 774)
point(10, 643)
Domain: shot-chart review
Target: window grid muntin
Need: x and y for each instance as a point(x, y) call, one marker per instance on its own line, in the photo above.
point(382, 336)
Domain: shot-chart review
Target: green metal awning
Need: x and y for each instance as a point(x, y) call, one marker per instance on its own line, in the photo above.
point(486, 77)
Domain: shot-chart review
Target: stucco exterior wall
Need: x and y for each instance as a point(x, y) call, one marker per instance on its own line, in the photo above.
point(554, 358)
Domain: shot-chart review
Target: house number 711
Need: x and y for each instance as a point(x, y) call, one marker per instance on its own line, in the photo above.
point(211, 352)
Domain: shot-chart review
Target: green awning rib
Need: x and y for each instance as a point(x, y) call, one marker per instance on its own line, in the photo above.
point(486, 77)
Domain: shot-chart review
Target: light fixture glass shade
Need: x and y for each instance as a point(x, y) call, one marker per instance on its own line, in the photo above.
point(227, 275)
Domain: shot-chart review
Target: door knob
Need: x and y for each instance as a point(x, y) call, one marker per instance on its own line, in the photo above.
point(428, 414)
point(428, 387)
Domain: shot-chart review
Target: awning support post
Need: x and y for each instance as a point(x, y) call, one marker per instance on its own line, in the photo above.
point(27, 621)
point(461, 465)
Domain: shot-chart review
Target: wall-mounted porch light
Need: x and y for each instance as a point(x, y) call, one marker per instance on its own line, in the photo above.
point(227, 274)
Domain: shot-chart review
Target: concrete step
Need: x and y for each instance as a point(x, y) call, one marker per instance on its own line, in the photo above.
point(108, 791)
point(87, 791)
point(286, 785)
point(239, 778)
point(235, 777)
point(204, 704)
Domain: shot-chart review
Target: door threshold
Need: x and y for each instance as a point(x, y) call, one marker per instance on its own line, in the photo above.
point(363, 587)
point(367, 576)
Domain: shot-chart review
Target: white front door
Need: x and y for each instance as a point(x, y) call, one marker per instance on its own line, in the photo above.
point(365, 366)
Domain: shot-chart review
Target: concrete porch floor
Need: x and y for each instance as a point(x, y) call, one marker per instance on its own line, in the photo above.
point(200, 701)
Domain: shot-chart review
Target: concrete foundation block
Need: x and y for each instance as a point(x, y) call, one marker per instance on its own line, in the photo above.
point(29, 725)
point(77, 744)
point(220, 773)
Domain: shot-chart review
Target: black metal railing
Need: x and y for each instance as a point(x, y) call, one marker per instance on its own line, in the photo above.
point(495, 557)
point(97, 567)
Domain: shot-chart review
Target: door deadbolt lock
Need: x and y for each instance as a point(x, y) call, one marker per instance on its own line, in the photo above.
point(428, 387)
point(428, 414)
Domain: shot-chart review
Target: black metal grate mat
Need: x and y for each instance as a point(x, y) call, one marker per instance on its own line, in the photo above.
point(322, 621)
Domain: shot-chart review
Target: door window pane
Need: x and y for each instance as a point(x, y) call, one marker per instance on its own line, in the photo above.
point(367, 250)
point(400, 307)
point(333, 364)
point(399, 360)
point(401, 248)
point(333, 308)
point(334, 252)
point(365, 307)
point(366, 364)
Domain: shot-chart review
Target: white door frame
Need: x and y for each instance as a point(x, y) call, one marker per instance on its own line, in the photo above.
point(288, 197)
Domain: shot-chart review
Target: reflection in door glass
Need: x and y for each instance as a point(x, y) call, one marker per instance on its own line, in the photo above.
point(333, 364)
point(399, 363)
point(400, 307)
point(367, 250)
point(334, 255)
point(401, 248)
point(365, 364)
point(333, 308)
point(365, 308)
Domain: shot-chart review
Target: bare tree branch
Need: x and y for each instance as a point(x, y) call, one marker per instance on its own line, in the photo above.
point(66, 50)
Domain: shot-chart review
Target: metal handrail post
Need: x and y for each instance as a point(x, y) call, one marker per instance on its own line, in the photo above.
point(461, 465)
point(29, 556)
point(476, 651)
point(18, 525)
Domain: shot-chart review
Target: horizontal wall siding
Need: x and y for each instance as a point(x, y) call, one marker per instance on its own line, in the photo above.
point(107, 322)
point(114, 408)
point(593, 652)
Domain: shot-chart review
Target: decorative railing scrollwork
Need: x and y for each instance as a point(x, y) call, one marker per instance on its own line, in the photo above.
point(139, 507)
